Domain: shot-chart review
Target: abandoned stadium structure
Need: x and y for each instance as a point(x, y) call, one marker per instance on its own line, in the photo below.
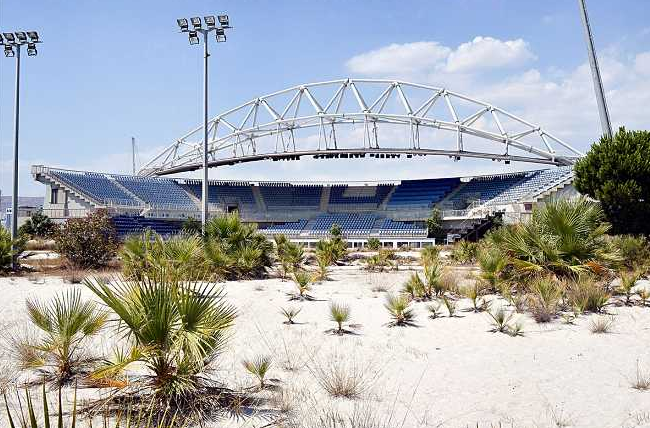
point(338, 119)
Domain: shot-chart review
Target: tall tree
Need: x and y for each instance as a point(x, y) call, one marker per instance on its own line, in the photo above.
point(616, 171)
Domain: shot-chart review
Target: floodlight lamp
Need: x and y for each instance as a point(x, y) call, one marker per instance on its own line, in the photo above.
point(196, 22)
point(194, 38)
point(10, 37)
point(9, 51)
point(22, 36)
point(33, 35)
point(31, 49)
point(221, 35)
point(182, 24)
point(224, 21)
point(209, 21)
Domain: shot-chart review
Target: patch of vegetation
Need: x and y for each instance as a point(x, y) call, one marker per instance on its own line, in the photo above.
point(544, 298)
point(88, 242)
point(258, 367)
point(464, 251)
point(503, 322)
point(340, 314)
point(400, 310)
point(373, 244)
point(601, 324)
point(38, 225)
point(290, 314)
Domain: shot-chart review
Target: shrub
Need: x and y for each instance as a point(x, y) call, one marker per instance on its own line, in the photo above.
point(64, 325)
point(192, 226)
point(339, 313)
point(563, 237)
point(642, 380)
point(450, 305)
point(413, 286)
point(492, 261)
point(634, 250)
point(373, 244)
point(6, 253)
point(176, 329)
point(586, 294)
point(290, 254)
point(290, 314)
point(433, 281)
point(380, 261)
point(331, 250)
point(342, 376)
point(88, 242)
point(434, 309)
point(464, 251)
point(258, 367)
point(545, 297)
point(38, 225)
point(234, 250)
point(400, 310)
point(474, 293)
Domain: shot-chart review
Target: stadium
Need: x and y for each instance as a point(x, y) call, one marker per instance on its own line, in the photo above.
point(323, 121)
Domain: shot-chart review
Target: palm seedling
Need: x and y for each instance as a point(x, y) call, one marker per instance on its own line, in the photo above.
point(339, 313)
point(400, 310)
point(626, 288)
point(433, 280)
point(176, 330)
point(64, 324)
point(258, 367)
point(434, 309)
point(429, 255)
point(450, 305)
point(302, 279)
point(492, 262)
point(502, 322)
point(323, 268)
point(546, 295)
point(413, 286)
point(474, 293)
point(290, 314)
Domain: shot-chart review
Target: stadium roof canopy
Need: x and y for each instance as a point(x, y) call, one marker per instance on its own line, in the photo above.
point(360, 117)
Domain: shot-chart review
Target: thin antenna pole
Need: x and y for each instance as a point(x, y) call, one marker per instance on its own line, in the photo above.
point(133, 153)
point(595, 72)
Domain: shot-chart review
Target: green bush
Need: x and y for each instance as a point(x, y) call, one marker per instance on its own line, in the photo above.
point(38, 225)
point(192, 226)
point(373, 244)
point(6, 253)
point(464, 251)
point(634, 250)
point(88, 242)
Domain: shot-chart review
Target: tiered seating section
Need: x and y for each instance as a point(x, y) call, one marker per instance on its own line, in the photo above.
point(130, 225)
point(351, 224)
point(421, 193)
point(240, 194)
point(291, 228)
point(283, 195)
point(156, 191)
point(366, 196)
point(401, 228)
point(98, 186)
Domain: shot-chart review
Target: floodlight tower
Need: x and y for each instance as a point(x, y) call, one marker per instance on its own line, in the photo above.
point(12, 41)
point(218, 26)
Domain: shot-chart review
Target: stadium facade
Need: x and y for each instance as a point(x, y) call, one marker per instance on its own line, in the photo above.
point(395, 212)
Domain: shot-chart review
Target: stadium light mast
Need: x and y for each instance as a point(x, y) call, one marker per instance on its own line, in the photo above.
point(595, 72)
point(218, 26)
point(11, 41)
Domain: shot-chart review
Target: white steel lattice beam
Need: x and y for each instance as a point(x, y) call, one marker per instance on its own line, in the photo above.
point(269, 132)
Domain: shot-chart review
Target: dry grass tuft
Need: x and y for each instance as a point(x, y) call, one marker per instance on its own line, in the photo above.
point(343, 376)
point(642, 380)
point(602, 324)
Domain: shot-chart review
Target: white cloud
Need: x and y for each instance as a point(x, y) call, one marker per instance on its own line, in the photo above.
point(642, 63)
point(400, 59)
point(487, 52)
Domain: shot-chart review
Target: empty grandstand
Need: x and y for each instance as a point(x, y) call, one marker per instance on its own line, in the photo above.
point(394, 212)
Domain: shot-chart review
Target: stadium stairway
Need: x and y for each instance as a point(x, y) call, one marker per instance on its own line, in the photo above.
point(259, 200)
point(325, 198)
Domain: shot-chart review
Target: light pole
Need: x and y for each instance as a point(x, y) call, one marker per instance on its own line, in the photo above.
point(193, 34)
point(10, 41)
point(605, 121)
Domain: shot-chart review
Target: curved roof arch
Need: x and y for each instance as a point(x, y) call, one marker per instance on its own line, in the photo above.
point(359, 117)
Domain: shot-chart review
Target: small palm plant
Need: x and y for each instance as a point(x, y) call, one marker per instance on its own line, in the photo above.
point(339, 313)
point(474, 293)
point(628, 279)
point(323, 264)
point(413, 286)
point(302, 280)
point(64, 324)
point(434, 285)
point(502, 322)
point(434, 309)
point(258, 367)
point(450, 305)
point(290, 314)
point(429, 255)
point(492, 262)
point(400, 310)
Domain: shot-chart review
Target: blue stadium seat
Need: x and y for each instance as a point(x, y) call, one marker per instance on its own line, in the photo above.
point(421, 193)
point(156, 191)
point(97, 186)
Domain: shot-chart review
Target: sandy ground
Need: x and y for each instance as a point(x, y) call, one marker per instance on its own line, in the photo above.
point(446, 372)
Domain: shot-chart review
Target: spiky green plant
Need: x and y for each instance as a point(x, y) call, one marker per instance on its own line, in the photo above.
point(546, 293)
point(258, 367)
point(626, 288)
point(586, 294)
point(7, 253)
point(413, 286)
point(563, 237)
point(464, 251)
point(429, 255)
point(64, 324)
point(434, 285)
point(290, 314)
point(373, 244)
point(502, 322)
point(340, 314)
point(492, 261)
point(175, 328)
point(322, 274)
point(303, 280)
point(434, 309)
point(236, 250)
point(400, 310)
point(474, 292)
point(450, 305)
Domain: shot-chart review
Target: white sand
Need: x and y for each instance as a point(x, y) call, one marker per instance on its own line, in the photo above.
point(449, 372)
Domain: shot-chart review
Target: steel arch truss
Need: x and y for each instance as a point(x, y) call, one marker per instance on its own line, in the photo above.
point(268, 128)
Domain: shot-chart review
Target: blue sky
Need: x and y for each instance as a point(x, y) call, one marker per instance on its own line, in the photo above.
point(109, 70)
